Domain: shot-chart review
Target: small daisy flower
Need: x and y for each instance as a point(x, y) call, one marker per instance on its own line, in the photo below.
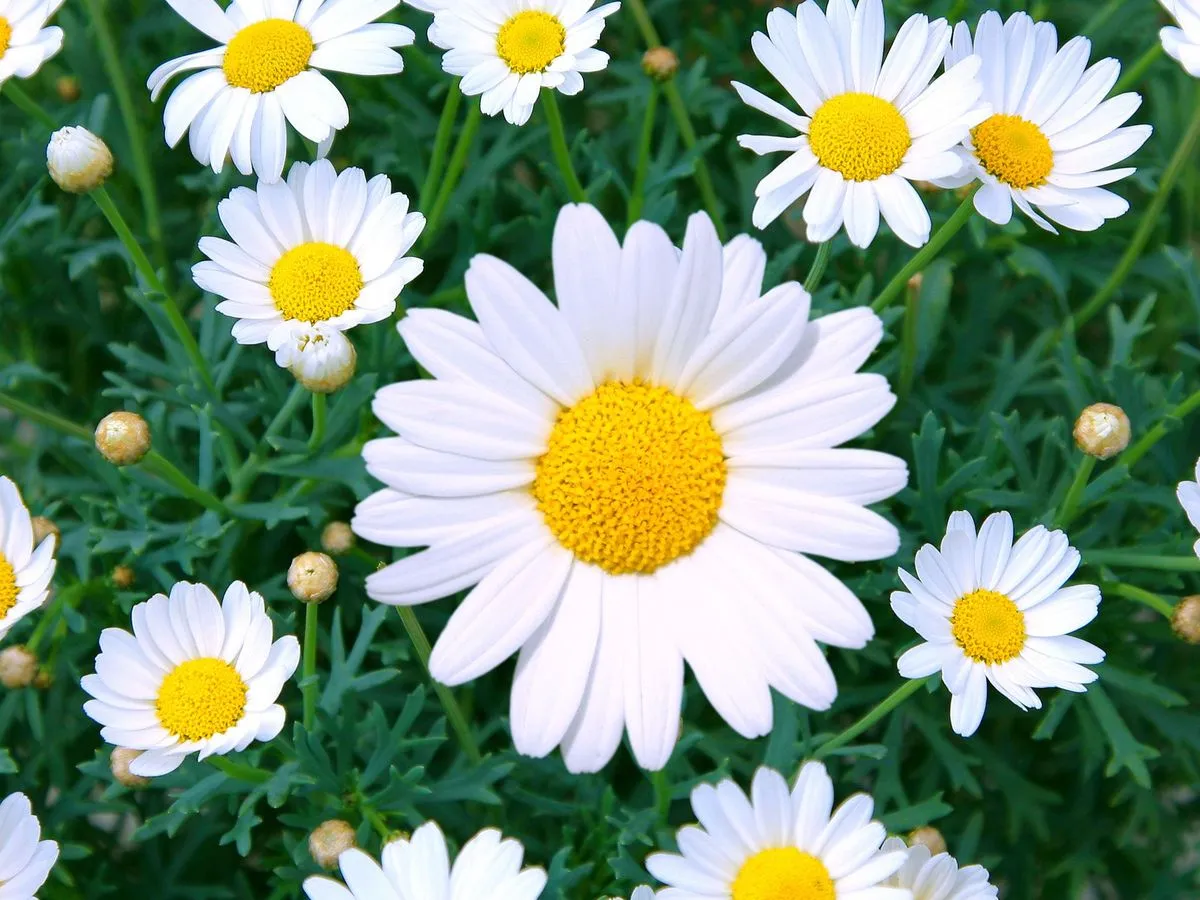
point(1050, 140)
point(25, 570)
point(267, 74)
point(938, 877)
point(320, 248)
point(634, 478)
point(321, 358)
point(25, 40)
point(870, 126)
point(1183, 43)
point(1188, 493)
point(994, 611)
point(507, 51)
point(24, 860)
point(777, 843)
point(196, 675)
point(489, 865)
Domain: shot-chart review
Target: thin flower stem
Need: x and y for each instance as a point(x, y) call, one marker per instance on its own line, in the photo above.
point(454, 713)
point(813, 280)
point(240, 480)
point(562, 153)
point(1138, 595)
point(24, 102)
point(662, 794)
point(1070, 504)
point(908, 344)
point(1125, 558)
point(156, 464)
point(885, 706)
point(308, 676)
point(458, 162)
point(441, 145)
point(637, 198)
point(1133, 74)
point(319, 406)
point(376, 820)
point(1146, 442)
point(44, 417)
point(240, 771)
point(926, 254)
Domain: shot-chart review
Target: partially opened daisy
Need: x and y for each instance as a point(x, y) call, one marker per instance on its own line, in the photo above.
point(507, 51)
point(779, 844)
point(487, 868)
point(1052, 135)
point(937, 877)
point(869, 127)
point(196, 675)
point(319, 248)
point(994, 611)
point(26, 41)
point(1183, 43)
point(1188, 493)
point(267, 74)
point(25, 570)
point(634, 478)
point(25, 861)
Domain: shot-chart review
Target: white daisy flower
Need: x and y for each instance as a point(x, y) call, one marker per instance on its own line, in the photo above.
point(321, 358)
point(994, 611)
point(508, 50)
point(778, 843)
point(25, 570)
point(634, 478)
point(1188, 493)
point(24, 860)
point(267, 73)
point(870, 126)
point(488, 866)
point(195, 675)
point(25, 40)
point(938, 877)
point(1183, 43)
point(319, 248)
point(1050, 139)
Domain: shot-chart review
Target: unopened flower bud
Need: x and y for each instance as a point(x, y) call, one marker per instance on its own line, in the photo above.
point(44, 528)
point(78, 160)
point(119, 762)
point(329, 840)
point(122, 577)
point(660, 63)
point(1102, 430)
point(915, 283)
point(67, 87)
point(321, 358)
point(337, 538)
point(928, 837)
point(123, 438)
point(312, 577)
point(1186, 619)
point(43, 679)
point(18, 667)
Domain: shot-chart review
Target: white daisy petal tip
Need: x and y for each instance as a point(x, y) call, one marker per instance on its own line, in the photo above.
point(27, 859)
point(937, 876)
point(25, 569)
point(1188, 494)
point(1182, 43)
point(27, 41)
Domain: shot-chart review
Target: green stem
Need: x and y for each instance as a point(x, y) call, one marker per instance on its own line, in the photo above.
point(1141, 560)
point(441, 145)
point(1101, 16)
point(908, 344)
point(1146, 442)
point(156, 464)
point(1070, 504)
point(813, 280)
point(662, 794)
point(558, 144)
point(454, 713)
point(1138, 595)
point(240, 771)
point(308, 676)
point(23, 101)
point(1133, 74)
point(48, 618)
point(49, 419)
point(637, 199)
point(239, 481)
point(1150, 219)
point(319, 406)
point(885, 706)
point(458, 162)
point(926, 254)
point(376, 820)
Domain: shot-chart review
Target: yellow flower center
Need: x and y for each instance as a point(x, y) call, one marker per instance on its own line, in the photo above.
point(784, 873)
point(530, 41)
point(315, 281)
point(859, 135)
point(201, 698)
point(632, 477)
point(988, 626)
point(1013, 150)
point(264, 55)
point(5, 36)
point(8, 586)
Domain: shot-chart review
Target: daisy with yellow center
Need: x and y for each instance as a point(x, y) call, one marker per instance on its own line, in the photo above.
point(1183, 43)
point(634, 479)
point(25, 40)
point(25, 569)
point(320, 249)
point(197, 675)
point(869, 126)
point(267, 74)
point(991, 611)
point(938, 877)
point(507, 51)
point(778, 844)
point(1051, 137)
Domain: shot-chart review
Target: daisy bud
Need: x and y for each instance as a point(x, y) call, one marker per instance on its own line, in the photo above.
point(312, 577)
point(1102, 430)
point(321, 358)
point(119, 763)
point(123, 438)
point(337, 538)
point(18, 667)
point(1186, 619)
point(67, 87)
point(44, 528)
point(928, 837)
point(660, 63)
point(78, 160)
point(122, 577)
point(914, 284)
point(330, 840)
point(43, 679)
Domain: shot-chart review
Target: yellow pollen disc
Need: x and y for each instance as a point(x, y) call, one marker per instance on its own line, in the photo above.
point(201, 698)
point(632, 477)
point(1013, 150)
point(784, 873)
point(315, 281)
point(530, 41)
point(8, 586)
point(988, 626)
point(264, 55)
point(5, 36)
point(859, 135)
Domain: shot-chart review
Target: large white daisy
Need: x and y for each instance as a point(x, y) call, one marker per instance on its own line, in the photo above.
point(196, 675)
point(25, 861)
point(507, 51)
point(321, 247)
point(994, 611)
point(487, 868)
point(938, 877)
point(1188, 493)
point(634, 479)
point(1183, 43)
point(1050, 140)
point(778, 844)
point(26, 41)
point(25, 570)
point(267, 74)
point(870, 126)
